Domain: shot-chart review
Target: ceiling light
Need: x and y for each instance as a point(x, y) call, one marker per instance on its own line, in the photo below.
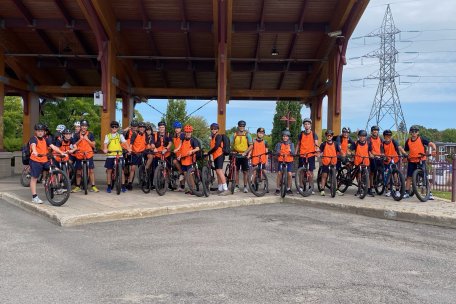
point(66, 85)
point(274, 51)
point(335, 34)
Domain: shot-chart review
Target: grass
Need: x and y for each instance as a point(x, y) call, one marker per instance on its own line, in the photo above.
point(442, 194)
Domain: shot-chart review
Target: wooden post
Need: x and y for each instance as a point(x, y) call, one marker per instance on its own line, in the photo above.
point(2, 100)
point(315, 115)
point(31, 116)
point(108, 74)
point(222, 65)
point(334, 91)
point(127, 110)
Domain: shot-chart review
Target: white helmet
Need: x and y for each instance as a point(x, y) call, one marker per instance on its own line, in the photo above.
point(60, 128)
point(77, 123)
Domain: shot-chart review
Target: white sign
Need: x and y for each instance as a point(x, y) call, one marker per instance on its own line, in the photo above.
point(98, 98)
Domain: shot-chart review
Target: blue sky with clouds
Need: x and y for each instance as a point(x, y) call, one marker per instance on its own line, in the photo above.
point(427, 49)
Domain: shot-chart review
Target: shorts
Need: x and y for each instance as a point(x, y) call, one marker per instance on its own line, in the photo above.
point(289, 167)
point(78, 163)
point(375, 163)
point(242, 162)
point(136, 159)
point(218, 162)
point(324, 169)
point(109, 163)
point(36, 168)
point(310, 161)
point(412, 167)
point(186, 168)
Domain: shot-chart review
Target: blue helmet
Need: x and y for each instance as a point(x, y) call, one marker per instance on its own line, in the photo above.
point(214, 126)
point(177, 124)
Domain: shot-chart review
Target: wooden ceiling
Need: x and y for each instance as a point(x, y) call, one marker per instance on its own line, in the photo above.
point(172, 44)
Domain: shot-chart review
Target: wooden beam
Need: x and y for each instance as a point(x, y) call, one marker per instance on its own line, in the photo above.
point(2, 99)
point(258, 42)
point(58, 90)
point(273, 94)
point(14, 83)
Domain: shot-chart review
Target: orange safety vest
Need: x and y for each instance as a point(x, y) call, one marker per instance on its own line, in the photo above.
point(84, 146)
point(176, 142)
point(330, 150)
point(41, 148)
point(307, 144)
point(344, 145)
point(259, 148)
point(415, 147)
point(285, 149)
point(66, 146)
point(376, 143)
point(219, 150)
point(362, 150)
point(185, 148)
point(390, 150)
point(162, 145)
point(139, 145)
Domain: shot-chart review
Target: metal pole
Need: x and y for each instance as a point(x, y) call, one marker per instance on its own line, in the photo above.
point(453, 176)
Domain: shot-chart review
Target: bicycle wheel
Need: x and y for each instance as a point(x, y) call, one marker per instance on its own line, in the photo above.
point(25, 176)
point(333, 181)
point(85, 177)
point(319, 179)
point(141, 174)
point(343, 179)
point(160, 180)
point(420, 185)
point(397, 185)
point(258, 181)
point(57, 187)
point(363, 183)
point(146, 185)
point(283, 186)
point(232, 180)
point(206, 176)
point(118, 177)
point(379, 184)
point(194, 182)
point(302, 183)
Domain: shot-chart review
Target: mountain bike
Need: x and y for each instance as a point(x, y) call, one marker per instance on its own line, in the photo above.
point(208, 176)
point(231, 171)
point(116, 174)
point(331, 180)
point(349, 172)
point(393, 179)
point(162, 175)
point(257, 178)
point(420, 180)
point(56, 184)
point(303, 181)
point(195, 180)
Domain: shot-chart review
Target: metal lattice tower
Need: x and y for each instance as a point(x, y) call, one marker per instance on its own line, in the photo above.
point(386, 109)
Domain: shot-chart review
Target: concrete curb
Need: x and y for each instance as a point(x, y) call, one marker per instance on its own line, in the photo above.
point(136, 213)
point(376, 212)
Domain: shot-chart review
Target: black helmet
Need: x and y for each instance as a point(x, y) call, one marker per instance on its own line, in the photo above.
point(148, 126)
point(241, 123)
point(40, 126)
point(114, 124)
point(387, 133)
point(260, 130)
point(375, 128)
point(414, 129)
point(141, 124)
point(362, 133)
point(134, 123)
point(346, 129)
point(329, 132)
point(66, 131)
point(84, 123)
point(161, 123)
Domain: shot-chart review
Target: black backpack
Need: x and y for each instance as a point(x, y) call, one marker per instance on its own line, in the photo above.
point(226, 145)
point(26, 154)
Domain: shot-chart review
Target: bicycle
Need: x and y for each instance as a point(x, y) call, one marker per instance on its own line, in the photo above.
point(65, 166)
point(348, 173)
point(56, 184)
point(195, 180)
point(257, 178)
point(284, 170)
point(116, 173)
point(208, 176)
point(420, 181)
point(331, 180)
point(303, 180)
point(231, 171)
point(162, 175)
point(379, 176)
point(393, 178)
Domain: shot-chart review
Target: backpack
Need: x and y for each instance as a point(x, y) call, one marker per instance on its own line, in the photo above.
point(226, 145)
point(242, 144)
point(199, 154)
point(26, 154)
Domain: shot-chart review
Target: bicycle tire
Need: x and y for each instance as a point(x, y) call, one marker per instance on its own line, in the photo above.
point(194, 178)
point(284, 185)
point(118, 178)
point(421, 185)
point(397, 185)
point(57, 187)
point(146, 184)
point(206, 176)
point(25, 176)
point(258, 184)
point(232, 180)
point(363, 183)
point(85, 177)
point(302, 183)
point(333, 178)
point(141, 174)
point(343, 179)
point(160, 181)
point(319, 177)
point(379, 184)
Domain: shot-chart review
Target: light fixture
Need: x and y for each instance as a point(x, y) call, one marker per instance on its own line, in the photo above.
point(66, 85)
point(335, 34)
point(274, 51)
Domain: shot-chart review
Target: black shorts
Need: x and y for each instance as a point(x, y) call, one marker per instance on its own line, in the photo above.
point(36, 168)
point(218, 162)
point(375, 163)
point(412, 167)
point(109, 163)
point(242, 162)
point(136, 159)
point(310, 160)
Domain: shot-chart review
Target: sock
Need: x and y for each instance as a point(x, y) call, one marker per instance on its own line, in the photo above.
point(34, 195)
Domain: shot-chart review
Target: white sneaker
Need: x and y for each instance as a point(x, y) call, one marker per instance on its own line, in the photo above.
point(37, 200)
point(236, 189)
point(339, 193)
point(431, 197)
point(406, 195)
point(246, 190)
point(181, 177)
point(398, 194)
point(322, 192)
point(388, 193)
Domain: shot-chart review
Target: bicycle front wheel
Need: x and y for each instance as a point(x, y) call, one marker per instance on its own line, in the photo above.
point(320, 172)
point(421, 185)
point(379, 184)
point(363, 183)
point(283, 186)
point(302, 182)
point(160, 180)
point(258, 182)
point(333, 181)
point(397, 185)
point(195, 182)
point(118, 178)
point(57, 187)
point(206, 176)
point(343, 179)
point(85, 177)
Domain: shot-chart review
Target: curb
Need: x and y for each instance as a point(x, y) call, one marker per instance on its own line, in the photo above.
point(381, 213)
point(128, 214)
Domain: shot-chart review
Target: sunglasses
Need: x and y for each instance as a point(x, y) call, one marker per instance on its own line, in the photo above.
point(413, 131)
point(213, 129)
point(115, 127)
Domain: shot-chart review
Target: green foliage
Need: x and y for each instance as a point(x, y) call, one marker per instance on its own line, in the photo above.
point(137, 116)
point(231, 131)
point(200, 130)
point(12, 119)
point(175, 111)
point(448, 135)
point(12, 143)
point(282, 109)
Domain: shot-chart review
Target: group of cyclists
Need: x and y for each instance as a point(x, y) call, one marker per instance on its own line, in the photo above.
point(140, 145)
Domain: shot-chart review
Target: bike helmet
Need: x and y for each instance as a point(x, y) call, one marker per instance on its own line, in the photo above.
point(329, 132)
point(375, 128)
point(414, 129)
point(162, 123)
point(241, 123)
point(60, 128)
point(215, 126)
point(141, 124)
point(114, 124)
point(346, 129)
point(177, 124)
point(134, 123)
point(84, 123)
point(148, 127)
point(77, 123)
point(286, 132)
point(307, 120)
point(387, 133)
point(66, 131)
point(188, 128)
point(362, 133)
point(40, 127)
point(260, 130)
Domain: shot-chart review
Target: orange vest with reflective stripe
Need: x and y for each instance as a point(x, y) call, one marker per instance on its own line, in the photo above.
point(139, 145)
point(390, 151)
point(376, 143)
point(415, 147)
point(362, 150)
point(307, 144)
point(185, 148)
point(330, 150)
point(219, 150)
point(285, 149)
point(259, 148)
point(41, 148)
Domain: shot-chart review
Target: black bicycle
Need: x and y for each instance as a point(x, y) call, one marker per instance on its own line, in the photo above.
point(162, 175)
point(393, 179)
point(116, 174)
point(208, 176)
point(257, 178)
point(195, 180)
point(420, 180)
point(303, 179)
point(56, 184)
point(347, 174)
point(331, 180)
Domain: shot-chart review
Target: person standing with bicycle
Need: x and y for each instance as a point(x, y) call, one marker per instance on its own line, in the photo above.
point(416, 145)
point(218, 158)
point(345, 143)
point(178, 137)
point(375, 161)
point(39, 162)
point(284, 150)
point(241, 140)
point(259, 150)
point(138, 146)
point(363, 150)
point(189, 147)
point(113, 144)
point(307, 143)
point(85, 141)
point(329, 151)
point(392, 150)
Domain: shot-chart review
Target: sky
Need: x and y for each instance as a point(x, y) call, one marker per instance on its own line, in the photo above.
point(426, 63)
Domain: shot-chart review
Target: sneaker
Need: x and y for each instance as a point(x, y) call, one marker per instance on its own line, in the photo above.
point(123, 189)
point(398, 194)
point(289, 192)
point(370, 192)
point(76, 189)
point(129, 186)
point(60, 191)
point(224, 193)
point(300, 190)
point(108, 189)
point(277, 192)
point(339, 193)
point(322, 192)
point(406, 195)
point(181, 177)
point(180, 189)
point(236, 189)
point(37, 200)
point(246, 190)
point(94, 189)
point(431, 196)
point(357, 193)
point(388, 193)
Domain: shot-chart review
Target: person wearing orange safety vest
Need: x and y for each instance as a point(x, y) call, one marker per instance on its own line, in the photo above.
point(376, 162)
point(218, 158)
point(392, 151)
point(284, 150)
point(178, 138)
point(306, 148)
point(189, 147)
point(345, 143)
point(138, 146)
point(329, 151)
point(362, 150)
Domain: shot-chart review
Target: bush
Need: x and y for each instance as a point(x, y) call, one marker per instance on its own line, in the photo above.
point(12, 144)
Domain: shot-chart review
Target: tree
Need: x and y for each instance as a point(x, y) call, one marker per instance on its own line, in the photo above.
point(200, 130)
point(448, 135)
point(431, 134)
point(12, 123)
point(175, 111)
point(282, 109)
